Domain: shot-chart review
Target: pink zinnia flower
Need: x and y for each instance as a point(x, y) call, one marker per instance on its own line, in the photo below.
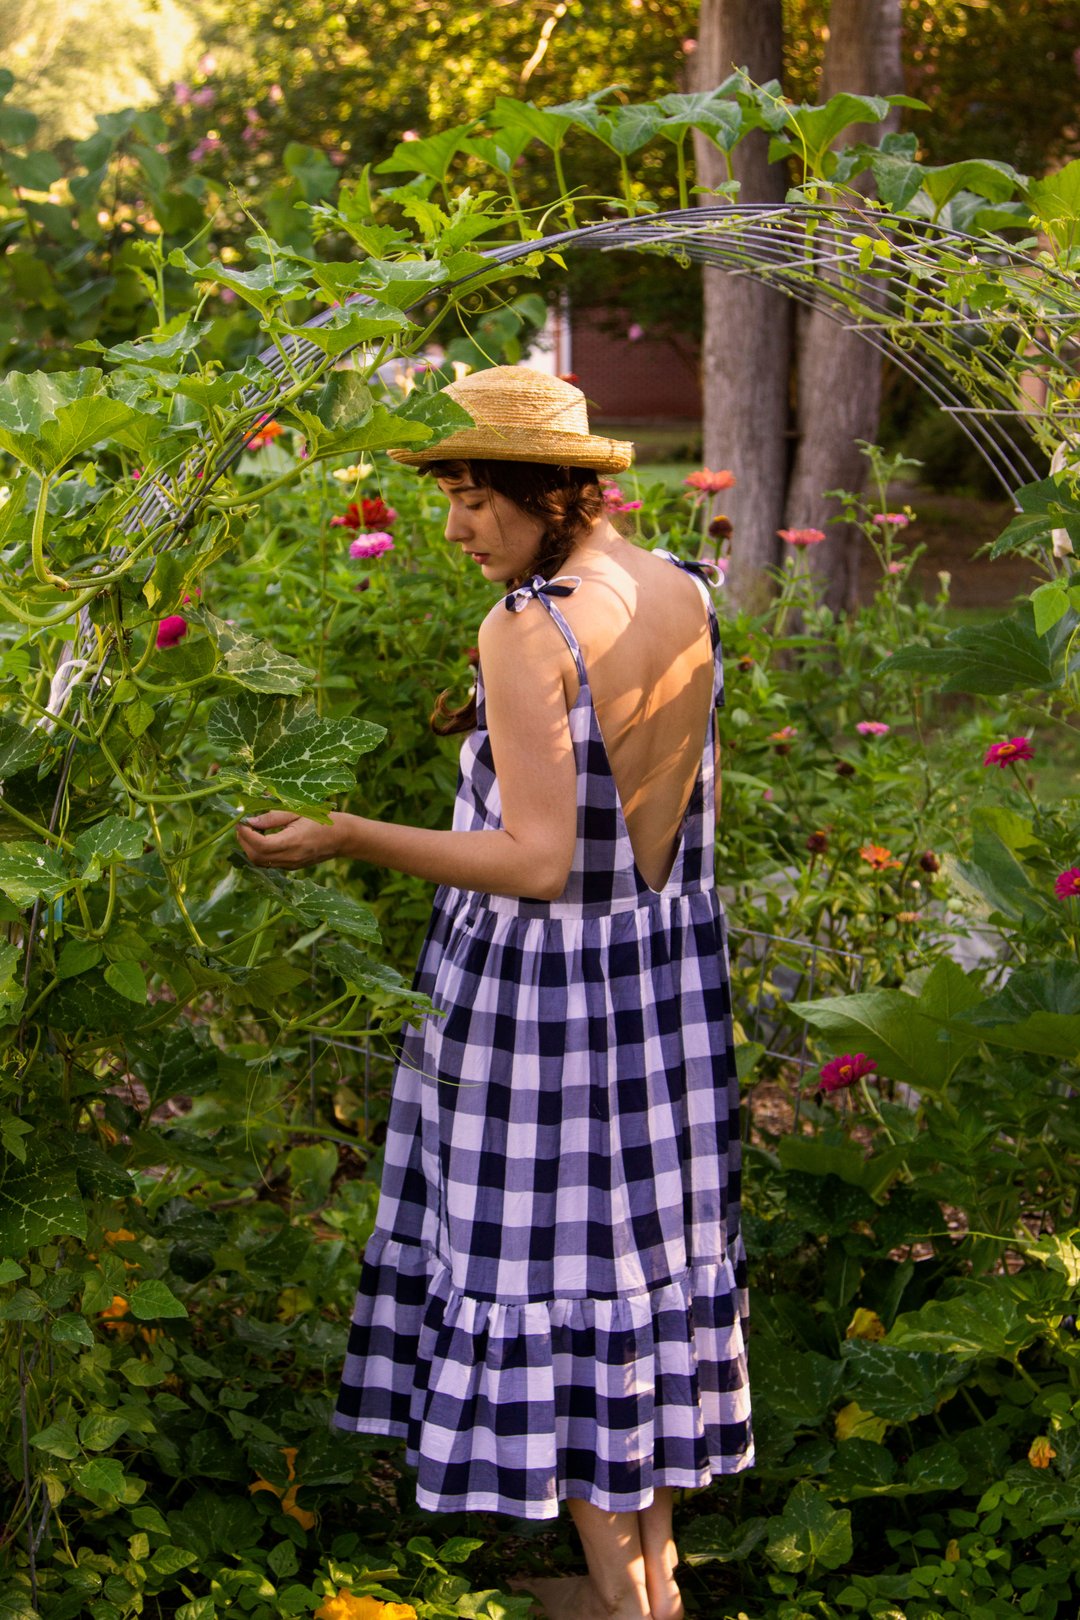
point(801, 537)
point(710, 483)
point(899, 520)
point(171, 630)
point(204, 97)
point(872, 728)
point(181, 93)
point(844, 1071)
point(1067, 883)
point(635, 332)
point(370, 545)
point(897, 567)
point(1010, 752)
point(613, 501)
point(201, 149)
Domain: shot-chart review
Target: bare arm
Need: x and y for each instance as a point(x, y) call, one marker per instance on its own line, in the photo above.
point(531, 853)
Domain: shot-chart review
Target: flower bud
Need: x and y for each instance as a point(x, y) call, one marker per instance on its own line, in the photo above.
point(929, 861)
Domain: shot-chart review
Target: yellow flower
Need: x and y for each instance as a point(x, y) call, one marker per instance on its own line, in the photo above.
point(347, 1607)
point(865, 1325)
point(288, 1498)
point(350, 475)
point(952, 1552)
point(1040, 1452)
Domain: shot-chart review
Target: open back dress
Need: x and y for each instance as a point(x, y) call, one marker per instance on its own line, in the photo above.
point(553, 1302)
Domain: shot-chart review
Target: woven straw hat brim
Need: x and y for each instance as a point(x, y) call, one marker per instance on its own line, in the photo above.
point(517, 444)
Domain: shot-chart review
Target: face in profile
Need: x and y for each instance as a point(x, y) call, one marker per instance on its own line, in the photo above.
point(500, 538)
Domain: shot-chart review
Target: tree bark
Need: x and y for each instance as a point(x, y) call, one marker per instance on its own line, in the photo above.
point(839, 372)
point(746, 348)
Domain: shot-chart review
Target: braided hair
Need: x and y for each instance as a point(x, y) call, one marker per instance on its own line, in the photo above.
point(565, 499)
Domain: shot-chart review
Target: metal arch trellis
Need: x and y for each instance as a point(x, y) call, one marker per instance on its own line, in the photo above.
point(907, 297)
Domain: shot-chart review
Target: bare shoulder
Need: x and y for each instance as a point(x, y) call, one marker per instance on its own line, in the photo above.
point(529, 642)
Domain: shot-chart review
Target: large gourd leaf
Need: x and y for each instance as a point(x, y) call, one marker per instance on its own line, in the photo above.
point(282, 749)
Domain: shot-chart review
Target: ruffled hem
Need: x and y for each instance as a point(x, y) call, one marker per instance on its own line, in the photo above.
point(514, 1407)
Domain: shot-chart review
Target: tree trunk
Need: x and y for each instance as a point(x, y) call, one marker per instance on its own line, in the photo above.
point(746, 349)
point(839, 372)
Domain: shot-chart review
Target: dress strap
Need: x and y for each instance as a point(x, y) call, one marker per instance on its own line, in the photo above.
point(542, 590)
point(700, 570)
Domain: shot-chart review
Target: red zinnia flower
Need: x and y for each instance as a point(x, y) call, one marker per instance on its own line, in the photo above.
point(1067, 883)
point(844, 1071)
point(1006, 753)
point(878, 857)
point(801, 537)
point(376, 513)
point(351, 519)
point(710, 483)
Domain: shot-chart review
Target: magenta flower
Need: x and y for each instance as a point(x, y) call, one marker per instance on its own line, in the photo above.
point(203, 148)
point(172, 630)
point(898, 520)
point(844, 1071)
point(1010, 752)
point(897, 567)
point(181, 93)
point(802, 537)
point(370, 545)
point(204, 97)
point(613, 500)
point(635, 332)
point(872, 728)
point(1067, 883)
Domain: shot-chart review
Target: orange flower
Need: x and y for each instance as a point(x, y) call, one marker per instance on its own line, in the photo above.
point(710, 483)
point(288, 1497)
point(112, 1318)
point(878, 857)
point(268, 431)
point(1040, 1452)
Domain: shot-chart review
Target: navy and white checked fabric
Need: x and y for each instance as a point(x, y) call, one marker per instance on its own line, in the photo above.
point(553, 1303)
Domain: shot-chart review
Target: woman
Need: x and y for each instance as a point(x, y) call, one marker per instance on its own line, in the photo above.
point(552, 1305)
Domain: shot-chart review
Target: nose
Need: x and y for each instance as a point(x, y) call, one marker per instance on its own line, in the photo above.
point(457, 527)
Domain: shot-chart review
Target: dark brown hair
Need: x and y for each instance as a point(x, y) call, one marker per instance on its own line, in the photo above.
point(566, 499)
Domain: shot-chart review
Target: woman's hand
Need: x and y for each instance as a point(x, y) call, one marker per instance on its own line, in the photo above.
point(280, 838)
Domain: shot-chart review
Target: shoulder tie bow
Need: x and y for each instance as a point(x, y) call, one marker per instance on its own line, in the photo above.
point(562, 585)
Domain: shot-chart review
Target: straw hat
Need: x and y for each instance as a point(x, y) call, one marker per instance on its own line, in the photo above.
point(522, 415)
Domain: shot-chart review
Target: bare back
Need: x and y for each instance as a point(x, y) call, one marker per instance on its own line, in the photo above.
point(644, 636)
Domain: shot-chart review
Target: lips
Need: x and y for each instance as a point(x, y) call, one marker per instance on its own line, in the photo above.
point(479, 556)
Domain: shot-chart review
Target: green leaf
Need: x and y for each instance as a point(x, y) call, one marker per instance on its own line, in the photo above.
point(539, 124)
point(17, 125)
point(152, 1299)
point(1050, 602)
point(128, 980)
point(58, 1440)
point(986, 660)
point(103, 1476)
point(345, 401)
point(115, 838)
point(798, 1386)
point(39, 1201)
point(860, 1468)
point(718, 117)
point(175, 1064)
point(35, 172)
point(1055, 199)
point(283, 749)
point(431, 156)
point(251, 663)
point(995, 181)
point(48, 418)
point(264, 288)
point(710, 1538)
point(158, 353)
point(20, 748)
point(87, 1002)
point(360, 970)
point(899, 1384)
point(316, 906)
point(12, 996)
point(1037, 1011)
point(347, 328)
point(99, 1430)
point(985, 1321)
point(30, 872)
point(77, 956)
point(10, 1271)
point(71, 1329)
point(809, 1534)
point(440, 414)
point(142, 1374)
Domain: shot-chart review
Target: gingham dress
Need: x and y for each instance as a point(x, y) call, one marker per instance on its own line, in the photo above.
point(553, 1303)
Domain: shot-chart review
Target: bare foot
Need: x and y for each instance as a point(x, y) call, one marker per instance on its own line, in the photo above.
point(573, 1597)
